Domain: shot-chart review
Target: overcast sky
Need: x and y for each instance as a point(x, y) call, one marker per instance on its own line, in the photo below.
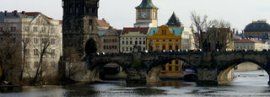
point(121, 13)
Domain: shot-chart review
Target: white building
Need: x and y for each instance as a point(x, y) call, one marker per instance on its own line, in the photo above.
point(131, 37)
point(250, 44)
point(34, 31)
point(187, 39)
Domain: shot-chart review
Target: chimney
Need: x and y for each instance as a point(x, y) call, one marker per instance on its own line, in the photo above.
point(23, 12)
point(5, 13)
point(15, 12)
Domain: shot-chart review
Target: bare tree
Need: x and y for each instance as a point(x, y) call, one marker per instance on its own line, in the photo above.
point(25, 44)
point(199, 22)
point(219, 23)
point(202, 26)
point(72, 60)
point(43, 51)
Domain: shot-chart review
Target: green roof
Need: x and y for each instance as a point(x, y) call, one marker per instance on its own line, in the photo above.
point(146, 4)
point(177, 31)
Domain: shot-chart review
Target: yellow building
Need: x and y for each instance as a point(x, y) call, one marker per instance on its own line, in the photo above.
point(166, 39)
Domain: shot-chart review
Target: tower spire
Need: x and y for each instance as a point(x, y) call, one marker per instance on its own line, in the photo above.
point(146, 4)
point(174, 21)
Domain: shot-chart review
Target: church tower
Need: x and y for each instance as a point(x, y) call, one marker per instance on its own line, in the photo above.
point(146, 14)
point(79, 24)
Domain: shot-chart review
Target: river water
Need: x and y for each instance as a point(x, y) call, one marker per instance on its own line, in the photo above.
point(246, 84)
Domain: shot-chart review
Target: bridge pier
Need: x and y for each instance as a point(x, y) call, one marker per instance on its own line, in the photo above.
point(207, 77)
point(136, 77)
point(153, 75)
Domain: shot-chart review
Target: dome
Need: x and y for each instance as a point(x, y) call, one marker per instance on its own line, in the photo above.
point(258, 26)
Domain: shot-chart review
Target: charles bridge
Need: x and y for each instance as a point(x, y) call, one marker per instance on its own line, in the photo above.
point(212, 67)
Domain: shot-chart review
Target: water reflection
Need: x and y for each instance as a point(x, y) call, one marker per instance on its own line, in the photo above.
point(251, 84)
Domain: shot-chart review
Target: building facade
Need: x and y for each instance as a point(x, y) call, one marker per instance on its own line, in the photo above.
point(188, 39)
point(250, 44)
point(133, 36)
point(37, 37)
point(110, 41)
point(146, 14)
point(164, 40)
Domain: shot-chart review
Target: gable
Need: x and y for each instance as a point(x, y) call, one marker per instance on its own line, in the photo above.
point(40, 20)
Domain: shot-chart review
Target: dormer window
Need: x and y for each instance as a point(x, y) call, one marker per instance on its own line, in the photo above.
point(163, 32)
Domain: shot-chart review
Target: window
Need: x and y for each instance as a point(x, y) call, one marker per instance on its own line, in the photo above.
point(12, 29)
point(53, 52)
point(163, 32)
point(44, 40)
point(130, 42)
point(36, 64)
point(1, 29)
point(123, 42)
point(170, 47)
point(35, 29)
point(163, 47)
point(143, 42)
point(36, 52)
point(176, 61)
point(93, 10)
point(90, 22)
point(176, 47)
point(43, 29)
point(170, 68)
point(14, 39)
point(26, 40)
point(52, 41)
point(35, 40)
point(126, 48)
point(26, 28)
point(176, 68)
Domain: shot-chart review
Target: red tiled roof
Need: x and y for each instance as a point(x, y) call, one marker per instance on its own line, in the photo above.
point(103, 23)
point(143, 30)
point(34, 14)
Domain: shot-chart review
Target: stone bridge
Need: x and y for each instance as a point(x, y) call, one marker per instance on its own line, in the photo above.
point(212, 67)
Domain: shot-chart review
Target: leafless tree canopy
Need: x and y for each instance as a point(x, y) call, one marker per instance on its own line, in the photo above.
point(9, 56)
point(201, 23)
point(203, 28)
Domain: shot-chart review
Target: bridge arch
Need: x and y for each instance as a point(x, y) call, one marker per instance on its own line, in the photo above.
point(225, 70)
point(99, 66)
point(153, 72)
